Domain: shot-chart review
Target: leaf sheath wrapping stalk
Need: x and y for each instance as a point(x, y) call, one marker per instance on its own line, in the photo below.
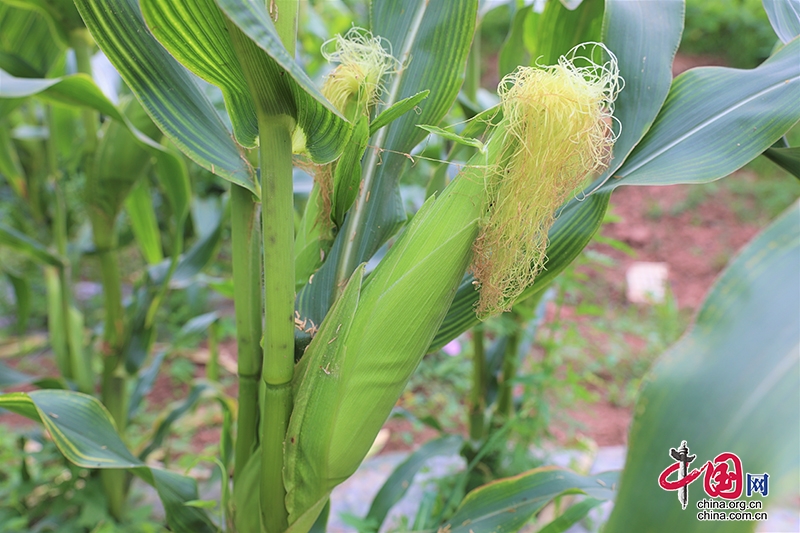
point(350, 379)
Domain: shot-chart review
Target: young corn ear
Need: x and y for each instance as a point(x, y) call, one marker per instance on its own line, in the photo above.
point(353, 87)
point(557, 131)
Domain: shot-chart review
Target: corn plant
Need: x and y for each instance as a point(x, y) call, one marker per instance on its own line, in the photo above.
point(81, 171)
point(326, 347)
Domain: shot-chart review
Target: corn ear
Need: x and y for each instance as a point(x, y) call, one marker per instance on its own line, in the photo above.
point(345, 390)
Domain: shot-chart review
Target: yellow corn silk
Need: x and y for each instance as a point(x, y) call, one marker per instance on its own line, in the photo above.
point(363, 61)
point(556, 131)
point(377, 332)
point(354, 86)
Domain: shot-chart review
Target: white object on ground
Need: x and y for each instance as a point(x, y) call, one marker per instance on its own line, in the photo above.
point(647, 282)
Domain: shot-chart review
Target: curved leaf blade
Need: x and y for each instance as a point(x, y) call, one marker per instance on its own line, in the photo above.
point(28, 46)
point(784, 15)
point(552, 33)
point(195, 34)
point(165, 89)
point(644, 36)
point(325, 130)
point(507, 504)
point(400, 480)
point(715, 120)
point(739, 358)
point(787, 158)
point(84, 432)
point(24, 244)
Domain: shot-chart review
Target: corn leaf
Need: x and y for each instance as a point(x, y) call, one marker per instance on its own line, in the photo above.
point(144, 225)
point(27, 46)
point(450, 136)
point(393, 490)
point(740, 358)
point(24, 244)
point(325, 130)
point(784, 15)
point(347, 174)
point(165, 89)
point(22, 296)
point(118, 163)
point(553, 33)
point(644, 36)
point(9, 163)
point(514, 53)
point(574, 514)
point(787, 158)
point(507, 504)
point(396, 111)
point(83, 431)
point(195, 34)
point(715, 120)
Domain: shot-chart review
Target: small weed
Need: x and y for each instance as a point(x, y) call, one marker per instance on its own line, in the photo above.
point(181, 370)
point(653, 210)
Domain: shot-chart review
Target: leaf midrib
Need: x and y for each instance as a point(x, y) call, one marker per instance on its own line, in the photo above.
point(707, 123)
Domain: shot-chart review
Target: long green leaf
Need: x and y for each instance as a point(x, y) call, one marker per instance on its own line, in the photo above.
point(571, 516)
point(144, 225)
point(165, 89)
point(393, 490)
point(715, 120)
point(27, 44)
point(22, 296)
point(786, 158)
point(164, 424)
point(514, 53)
point(552, 33)
point(784, 15)
point(507, 504)
point(325, 130)
point(10, 166)
point(644, 36)
point(729, 385)
point(24, 244)
point(84, 432)
point(194, 33)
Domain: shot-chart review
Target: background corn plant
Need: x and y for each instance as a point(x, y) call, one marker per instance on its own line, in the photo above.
point(304, 427)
